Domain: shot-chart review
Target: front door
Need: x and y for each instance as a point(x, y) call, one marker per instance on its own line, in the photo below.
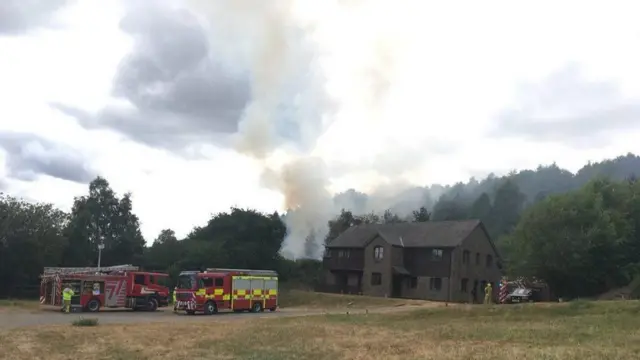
point(396, 286)
point(342, 282)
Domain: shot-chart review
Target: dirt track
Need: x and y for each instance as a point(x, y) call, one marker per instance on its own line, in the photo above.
point(20, 318)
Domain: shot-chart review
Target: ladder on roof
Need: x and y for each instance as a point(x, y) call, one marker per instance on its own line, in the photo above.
point(246, 271)
point(87, 270)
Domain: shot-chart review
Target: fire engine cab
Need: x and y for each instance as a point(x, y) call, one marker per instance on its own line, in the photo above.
point(235, 289)
point(110, 287)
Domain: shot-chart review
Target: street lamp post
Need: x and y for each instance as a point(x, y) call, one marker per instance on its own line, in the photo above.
point(100, 247)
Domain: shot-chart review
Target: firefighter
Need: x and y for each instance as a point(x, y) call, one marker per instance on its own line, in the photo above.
point(488, 292)
point(175, 304)
point(67, 293)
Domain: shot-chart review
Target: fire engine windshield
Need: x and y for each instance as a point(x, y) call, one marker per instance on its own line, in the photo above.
point(186, 282)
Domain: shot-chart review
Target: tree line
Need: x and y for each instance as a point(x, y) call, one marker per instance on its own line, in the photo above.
point(582, 241)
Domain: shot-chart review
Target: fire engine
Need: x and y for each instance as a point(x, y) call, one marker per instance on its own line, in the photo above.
point(236, 289)
point(122, 286)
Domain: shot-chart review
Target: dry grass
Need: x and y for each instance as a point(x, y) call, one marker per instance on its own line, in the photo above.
point(565, 331)
point(14, 304)
point(312, 300)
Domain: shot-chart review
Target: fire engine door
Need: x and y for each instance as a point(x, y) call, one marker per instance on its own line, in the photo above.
point(257, 289)
point(93, 287)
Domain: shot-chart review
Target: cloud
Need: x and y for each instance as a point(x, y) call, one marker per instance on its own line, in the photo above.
point(20, 16)
point(171, 89)
point(566, 107)
point(28, 156)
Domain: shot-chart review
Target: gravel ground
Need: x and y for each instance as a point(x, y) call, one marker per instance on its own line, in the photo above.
point(20, 318)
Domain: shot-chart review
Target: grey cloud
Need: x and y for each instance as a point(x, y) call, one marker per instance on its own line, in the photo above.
point(179, 94)
point(20, 16)
point(566, 107)
point(29, 156)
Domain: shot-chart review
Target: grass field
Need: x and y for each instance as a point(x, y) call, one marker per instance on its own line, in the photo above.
point(312, 300)
point(578, 330)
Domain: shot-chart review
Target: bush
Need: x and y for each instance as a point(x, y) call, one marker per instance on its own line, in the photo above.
point(85, 322)
point(634, 288)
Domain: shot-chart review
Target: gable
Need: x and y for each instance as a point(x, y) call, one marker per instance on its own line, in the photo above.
point(481, 238)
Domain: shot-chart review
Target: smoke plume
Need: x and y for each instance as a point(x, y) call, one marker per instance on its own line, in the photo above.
point(305, 77)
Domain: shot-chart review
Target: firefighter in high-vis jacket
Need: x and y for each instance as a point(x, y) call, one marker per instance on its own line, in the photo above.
point(175, 305)
point(67, 294)
point(488, 292)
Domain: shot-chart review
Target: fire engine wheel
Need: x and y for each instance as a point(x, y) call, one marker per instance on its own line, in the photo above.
point(191, 312)
point(256, 308)
point(93, 305)
point(152, 304)
point(210, 308)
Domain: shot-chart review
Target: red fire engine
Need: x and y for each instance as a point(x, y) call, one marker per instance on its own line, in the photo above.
point(236, 289)
point(109, 287)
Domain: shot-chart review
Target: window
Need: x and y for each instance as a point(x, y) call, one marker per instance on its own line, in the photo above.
point(376, 279)
point(344, 254)
point(139, 279)
point(186, 281)
point(159, 280)
point(464, 284)
point(477, 258)
point(219, 282)
point(206, 282)
point(489, 260)
point(466, 257)
point(378, 253)
point(435, 284)
point(436, 254)
point(413, 282)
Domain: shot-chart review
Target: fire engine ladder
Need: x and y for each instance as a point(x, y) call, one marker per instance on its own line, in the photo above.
point(87, 270)
point(246, 271)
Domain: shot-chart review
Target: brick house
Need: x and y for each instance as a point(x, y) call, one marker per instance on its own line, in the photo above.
point(435, 260)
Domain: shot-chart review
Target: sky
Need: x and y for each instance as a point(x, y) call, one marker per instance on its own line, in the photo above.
point(196, 106)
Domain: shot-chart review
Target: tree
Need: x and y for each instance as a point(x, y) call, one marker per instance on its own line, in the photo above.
point(421, 215)
point(339, 225)
point(101, 217)
point(31, 237)
point(390, 218)
point(449, 210)
point(241, 238)
point(481, 208)
point(582, 243)
point(167, 236)
point(165, 252)
point(507, 207)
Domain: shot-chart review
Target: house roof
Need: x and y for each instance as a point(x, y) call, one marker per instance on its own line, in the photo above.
point(423, 234)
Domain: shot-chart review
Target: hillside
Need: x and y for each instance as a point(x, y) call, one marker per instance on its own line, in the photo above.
point(534, 185)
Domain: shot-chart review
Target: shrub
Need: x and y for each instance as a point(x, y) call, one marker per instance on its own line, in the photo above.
point(85, 322)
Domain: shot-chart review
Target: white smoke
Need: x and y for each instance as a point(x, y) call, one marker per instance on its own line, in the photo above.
point(335, 75)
